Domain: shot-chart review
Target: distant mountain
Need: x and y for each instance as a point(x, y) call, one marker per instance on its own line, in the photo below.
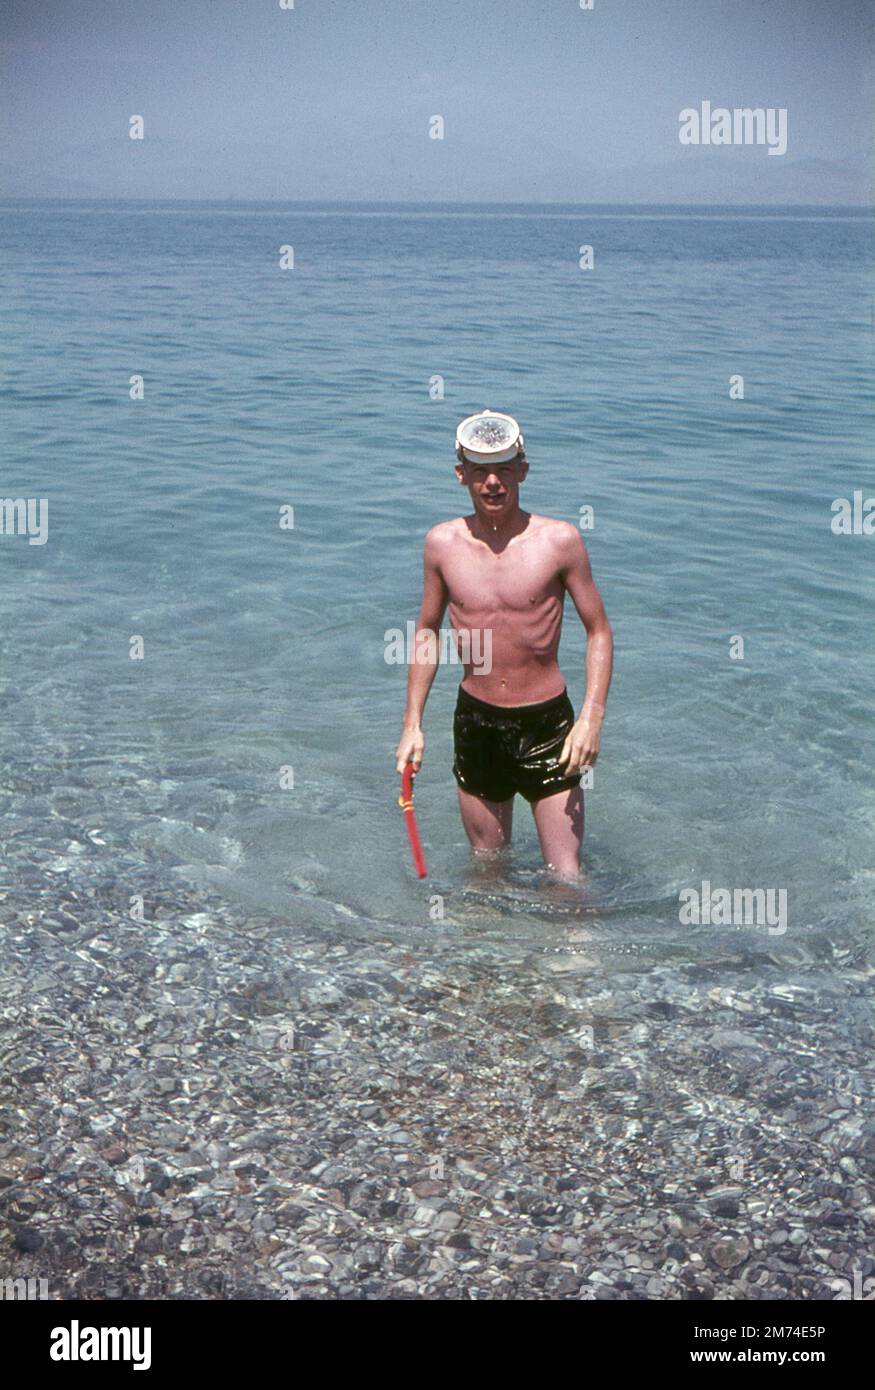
point(16, 182)
point(694, 175)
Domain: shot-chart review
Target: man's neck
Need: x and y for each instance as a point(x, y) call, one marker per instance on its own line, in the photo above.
point(497, 533)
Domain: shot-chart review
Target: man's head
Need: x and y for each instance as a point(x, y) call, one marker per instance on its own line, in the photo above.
point(491, 463)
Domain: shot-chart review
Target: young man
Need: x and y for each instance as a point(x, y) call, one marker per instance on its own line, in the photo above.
point(505, 573)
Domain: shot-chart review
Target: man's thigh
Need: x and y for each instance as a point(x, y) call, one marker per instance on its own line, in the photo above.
point(559, 822)
point(488, 824)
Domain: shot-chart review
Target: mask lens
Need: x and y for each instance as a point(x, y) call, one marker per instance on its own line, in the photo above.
point(489, 434)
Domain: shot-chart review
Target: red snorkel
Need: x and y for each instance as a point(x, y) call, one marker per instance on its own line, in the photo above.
point(405, 801)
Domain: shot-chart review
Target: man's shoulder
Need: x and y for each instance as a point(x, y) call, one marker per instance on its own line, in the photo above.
point(559, 533)
point(444, 533)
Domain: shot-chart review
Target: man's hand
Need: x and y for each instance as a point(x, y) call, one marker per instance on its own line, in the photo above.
point(581, 747)
point(410, 748)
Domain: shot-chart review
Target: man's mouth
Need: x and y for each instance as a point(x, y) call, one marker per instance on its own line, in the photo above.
point(494, 497)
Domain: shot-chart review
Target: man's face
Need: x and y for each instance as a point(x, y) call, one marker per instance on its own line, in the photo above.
point(494, 487)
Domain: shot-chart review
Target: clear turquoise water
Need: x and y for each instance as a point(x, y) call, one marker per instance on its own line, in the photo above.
point(264, 647)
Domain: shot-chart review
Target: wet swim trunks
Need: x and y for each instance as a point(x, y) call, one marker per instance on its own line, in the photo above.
point(500, 751)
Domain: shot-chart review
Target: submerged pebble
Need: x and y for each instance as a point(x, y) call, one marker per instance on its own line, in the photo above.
point(217, 1104)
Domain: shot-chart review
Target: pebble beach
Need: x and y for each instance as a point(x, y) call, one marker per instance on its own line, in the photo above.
point(212, 1104)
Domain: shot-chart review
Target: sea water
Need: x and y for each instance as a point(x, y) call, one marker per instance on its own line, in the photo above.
point(257, 517)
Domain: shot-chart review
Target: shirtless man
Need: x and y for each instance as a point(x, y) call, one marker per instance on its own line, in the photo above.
point(507, 571)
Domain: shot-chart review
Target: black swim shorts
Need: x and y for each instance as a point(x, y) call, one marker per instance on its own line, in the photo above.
point(500, 751)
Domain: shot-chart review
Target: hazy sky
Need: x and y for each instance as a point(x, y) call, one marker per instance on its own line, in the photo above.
point(542, 101)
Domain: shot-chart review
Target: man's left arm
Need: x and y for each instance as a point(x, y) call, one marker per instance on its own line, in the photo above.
point(581, 747)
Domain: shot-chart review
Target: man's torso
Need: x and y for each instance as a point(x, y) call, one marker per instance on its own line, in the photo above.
point(516, 595)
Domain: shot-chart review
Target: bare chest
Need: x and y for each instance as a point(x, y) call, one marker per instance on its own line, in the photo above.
point(521, 579)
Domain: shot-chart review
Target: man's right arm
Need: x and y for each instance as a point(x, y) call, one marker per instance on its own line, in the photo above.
point(421, 672)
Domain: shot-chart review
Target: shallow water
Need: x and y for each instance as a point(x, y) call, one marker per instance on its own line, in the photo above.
point(264, 647)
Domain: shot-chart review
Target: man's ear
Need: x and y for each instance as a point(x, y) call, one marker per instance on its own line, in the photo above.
point(523, 464)
point(460, 473)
